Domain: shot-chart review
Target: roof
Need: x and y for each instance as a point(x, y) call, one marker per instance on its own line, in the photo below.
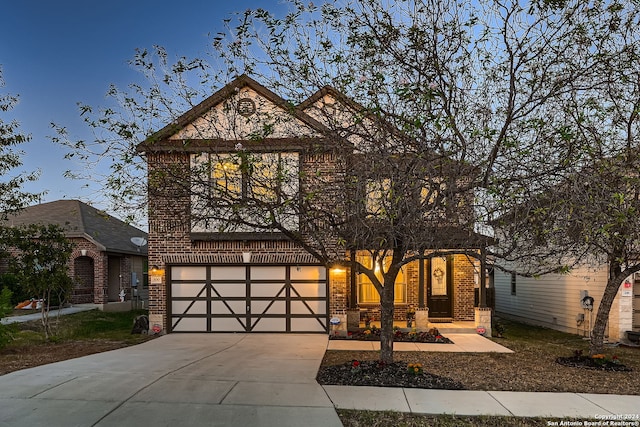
point(159, 141)
point(84, 221)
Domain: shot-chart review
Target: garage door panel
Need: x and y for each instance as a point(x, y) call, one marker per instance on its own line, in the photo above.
point(188, 273)
point(189, 290)
point(309, 307)
point(187, 324)
point(311, 272)
point(309, 289)
point(188, 307)
point(267, 289)
point(269, 324)
point(268, 273)
point(229, 290)
point(229, 307)
point(268, 307)
point(228, 273)
point(227, 325)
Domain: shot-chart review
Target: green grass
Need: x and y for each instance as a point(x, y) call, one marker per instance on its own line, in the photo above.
point(86, 325)
point(352, 418)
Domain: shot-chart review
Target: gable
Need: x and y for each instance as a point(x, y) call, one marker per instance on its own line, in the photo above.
point(246, 115)
point(242, 111)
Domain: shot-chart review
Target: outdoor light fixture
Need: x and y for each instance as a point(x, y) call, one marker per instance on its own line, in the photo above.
point(156, 271)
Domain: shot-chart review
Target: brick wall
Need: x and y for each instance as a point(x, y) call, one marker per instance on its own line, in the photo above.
point(464, 287)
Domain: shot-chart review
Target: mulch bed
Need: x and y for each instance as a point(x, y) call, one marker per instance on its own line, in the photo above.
point(380, 374)
point(595, 363)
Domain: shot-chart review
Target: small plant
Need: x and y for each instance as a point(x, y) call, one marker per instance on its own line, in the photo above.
point(415, 368)
point(498, 328)
point(355, 366)
point(603, 360)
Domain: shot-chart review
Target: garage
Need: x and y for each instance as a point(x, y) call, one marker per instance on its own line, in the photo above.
point(248, 298)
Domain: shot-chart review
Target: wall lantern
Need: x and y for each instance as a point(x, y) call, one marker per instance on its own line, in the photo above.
point(155, 271)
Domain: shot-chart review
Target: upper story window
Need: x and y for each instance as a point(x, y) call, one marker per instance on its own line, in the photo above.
point(229, 189)
point(265, 177)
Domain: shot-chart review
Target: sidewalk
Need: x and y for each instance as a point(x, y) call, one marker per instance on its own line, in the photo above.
point(36, 316)
point(473, 403)
point(580, 406)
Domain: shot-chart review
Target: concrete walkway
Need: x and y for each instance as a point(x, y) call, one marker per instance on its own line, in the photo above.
point(247, 379)
point(37, 316)
point(472, 343)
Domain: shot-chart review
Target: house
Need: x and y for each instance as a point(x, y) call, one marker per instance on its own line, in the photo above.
point(214, 275)
point(110, 256)
point(558, 301)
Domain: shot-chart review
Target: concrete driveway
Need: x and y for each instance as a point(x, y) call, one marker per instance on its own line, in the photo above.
point(178, 380)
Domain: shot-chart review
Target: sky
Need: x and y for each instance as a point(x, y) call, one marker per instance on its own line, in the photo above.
point(56, 53)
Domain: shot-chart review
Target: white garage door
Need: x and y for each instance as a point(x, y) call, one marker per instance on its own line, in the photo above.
point(248, 298)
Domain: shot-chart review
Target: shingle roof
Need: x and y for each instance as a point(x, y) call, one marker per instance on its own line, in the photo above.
point(82, 220)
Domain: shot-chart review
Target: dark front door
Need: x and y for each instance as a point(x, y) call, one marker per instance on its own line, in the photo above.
point(439, 287)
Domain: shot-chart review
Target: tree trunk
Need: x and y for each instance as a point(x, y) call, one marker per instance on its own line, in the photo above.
point(602, 317)
point(386, 322)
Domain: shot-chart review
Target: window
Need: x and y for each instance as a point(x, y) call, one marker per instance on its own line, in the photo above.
point(238, 185)
point(267, 177)
point(367, 293)
point(378, 193)
point(513, 283)
point(439, 276)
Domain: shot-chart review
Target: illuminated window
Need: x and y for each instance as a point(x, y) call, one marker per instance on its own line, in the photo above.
point(367, 293)
point(266, 177)
point(378, 194)
point(439, 276)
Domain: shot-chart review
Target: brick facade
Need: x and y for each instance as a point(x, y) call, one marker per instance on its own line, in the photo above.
point(169, 167)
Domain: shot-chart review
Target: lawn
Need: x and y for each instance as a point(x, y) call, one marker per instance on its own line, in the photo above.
point(77, 335)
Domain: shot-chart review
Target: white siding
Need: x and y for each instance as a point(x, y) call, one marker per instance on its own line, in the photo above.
point(552, 300)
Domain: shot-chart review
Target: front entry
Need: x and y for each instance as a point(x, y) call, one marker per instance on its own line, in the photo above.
point(248, 298)
point(440, 287)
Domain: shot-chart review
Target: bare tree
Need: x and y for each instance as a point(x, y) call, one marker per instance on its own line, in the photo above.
point(588, 211)
point(418, 104)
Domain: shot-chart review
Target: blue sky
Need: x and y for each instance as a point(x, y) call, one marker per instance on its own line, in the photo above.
point(55, 54)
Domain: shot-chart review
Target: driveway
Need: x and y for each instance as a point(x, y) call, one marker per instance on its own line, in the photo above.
point(178, 380)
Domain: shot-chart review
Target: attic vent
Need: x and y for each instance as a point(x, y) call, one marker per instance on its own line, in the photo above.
point(246, 107)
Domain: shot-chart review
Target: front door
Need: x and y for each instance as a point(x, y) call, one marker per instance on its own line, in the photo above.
point(439, 287)
point(114, 279)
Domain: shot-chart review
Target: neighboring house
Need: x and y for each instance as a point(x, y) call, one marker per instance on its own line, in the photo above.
point(218, 278)
point(556, 300)
point(105, 260)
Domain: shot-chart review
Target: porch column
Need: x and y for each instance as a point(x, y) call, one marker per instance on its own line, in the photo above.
point(421, 281)
point(482, 293)
point(353, 297)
